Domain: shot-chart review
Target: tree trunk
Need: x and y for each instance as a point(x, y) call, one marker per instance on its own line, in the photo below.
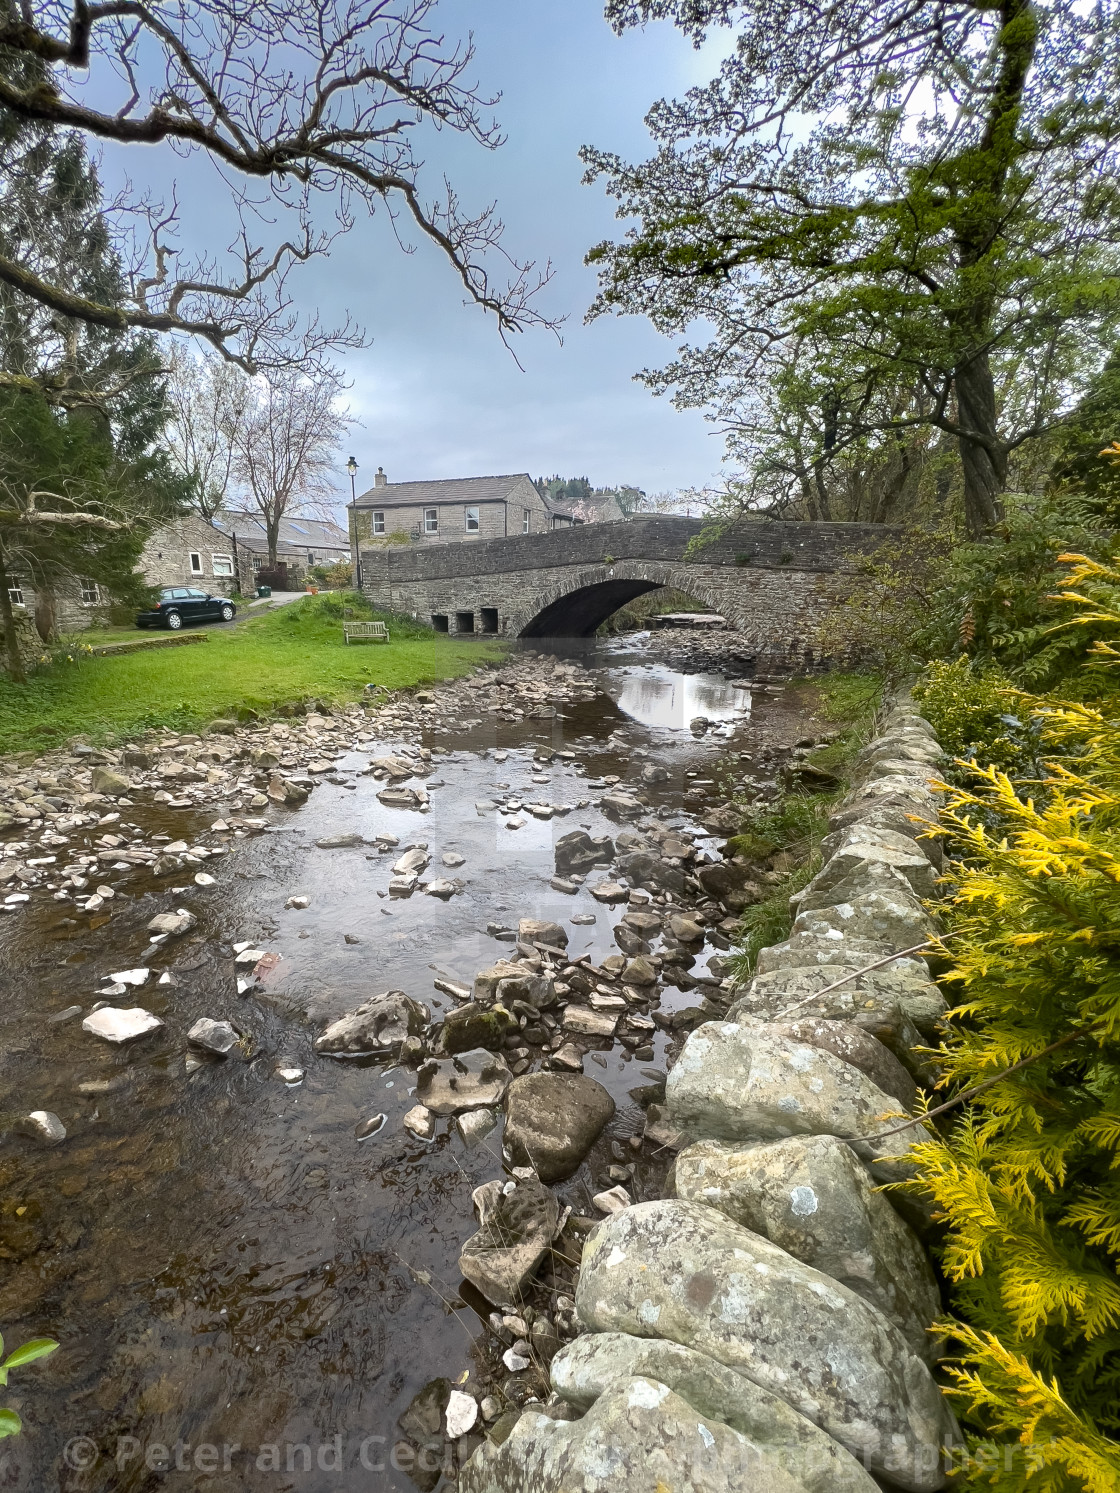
point(982, 457)
point(823, 505)
point(11, 639)
point(808, 495)
point(272, 532)
point(46, 615)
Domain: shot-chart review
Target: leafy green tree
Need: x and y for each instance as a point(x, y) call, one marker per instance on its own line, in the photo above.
point(1080, 442)
point(918, 195)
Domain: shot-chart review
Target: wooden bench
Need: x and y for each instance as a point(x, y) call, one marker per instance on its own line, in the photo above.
point(375, 632)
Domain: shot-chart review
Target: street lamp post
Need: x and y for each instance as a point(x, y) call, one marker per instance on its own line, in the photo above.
point(352, 468)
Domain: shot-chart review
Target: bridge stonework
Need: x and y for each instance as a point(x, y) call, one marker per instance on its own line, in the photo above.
point(774, 582)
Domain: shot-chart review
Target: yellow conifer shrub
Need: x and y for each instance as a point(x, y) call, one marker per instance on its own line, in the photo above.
point(1027, 1178)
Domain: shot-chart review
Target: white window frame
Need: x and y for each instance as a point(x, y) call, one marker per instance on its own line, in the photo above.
point(471, 520)
point(258, 561)
point(195, 562)
point(526, 520)
point(217, 563)
point(431, 520)
point(15, 595)
point(377, 522)
point(88, 587)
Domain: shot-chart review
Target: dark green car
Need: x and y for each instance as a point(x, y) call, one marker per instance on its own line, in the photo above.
point(178, 605)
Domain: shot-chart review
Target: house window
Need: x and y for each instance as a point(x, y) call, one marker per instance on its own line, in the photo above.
point(526, 520)
point(196, 564)
point(311, 557)
point(258, 561)
point(223, 564)
point(378, 524)
point(91, 592)
point(472, 520)
point(15, 595)
point(431, 520)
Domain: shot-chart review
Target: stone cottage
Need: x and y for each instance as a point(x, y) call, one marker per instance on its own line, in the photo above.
point(453, 510)
point(191, 551)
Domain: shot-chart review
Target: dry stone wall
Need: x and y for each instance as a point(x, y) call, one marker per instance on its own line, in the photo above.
point(767, 1324)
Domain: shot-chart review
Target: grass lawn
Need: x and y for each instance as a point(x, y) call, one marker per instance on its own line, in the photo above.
point(293, 653)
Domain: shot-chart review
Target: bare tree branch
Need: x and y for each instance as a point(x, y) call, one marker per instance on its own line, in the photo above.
point(319, 100)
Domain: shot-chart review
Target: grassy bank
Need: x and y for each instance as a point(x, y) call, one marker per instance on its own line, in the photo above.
point(787, 834)
point(294, 653)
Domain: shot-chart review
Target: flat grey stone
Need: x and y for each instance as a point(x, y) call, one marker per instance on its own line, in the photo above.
point(471, 1080)
point(788, 1443)
point(119, 1025)
point(688, 1274)
point(517, 1230)
point(217, 1037)
point(378, 1025)
point(812, 1197)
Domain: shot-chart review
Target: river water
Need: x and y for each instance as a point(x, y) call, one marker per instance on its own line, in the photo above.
point(234, 1277)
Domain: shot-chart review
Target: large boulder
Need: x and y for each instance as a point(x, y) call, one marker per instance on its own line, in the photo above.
point(470, 1080)
point(723, 877)
point(553, 1120)
point(787, 1443)
point(899, 814)
point(889, 917)
point(846, 1040)
point(576, 853)
point(861, 849)
point(898, 1006)
point(517, 1230)
point(507, 981)
point(831, 946)
point(684, 1272)
point(639, 1437)
point(105, 780)
point(540, 930)
point(797, 992)
point(749, 1083)
point(378, 1026)
point(474, 1025)
point(812, 1197)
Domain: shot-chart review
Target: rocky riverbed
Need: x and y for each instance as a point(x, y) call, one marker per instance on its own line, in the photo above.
point(327, 1040)
point(767, 1323)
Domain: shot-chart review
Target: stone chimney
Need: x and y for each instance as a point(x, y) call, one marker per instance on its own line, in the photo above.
point(380, 479)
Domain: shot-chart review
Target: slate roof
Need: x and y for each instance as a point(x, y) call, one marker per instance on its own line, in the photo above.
point(431, 494)
point(297, 535)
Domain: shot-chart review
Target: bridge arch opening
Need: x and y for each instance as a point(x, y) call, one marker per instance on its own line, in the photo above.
point(580, 613)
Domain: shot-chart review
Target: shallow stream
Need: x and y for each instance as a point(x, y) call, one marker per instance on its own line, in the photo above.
point(234, 1276)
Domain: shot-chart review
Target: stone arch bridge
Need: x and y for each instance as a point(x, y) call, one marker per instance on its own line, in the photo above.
point(774, 582)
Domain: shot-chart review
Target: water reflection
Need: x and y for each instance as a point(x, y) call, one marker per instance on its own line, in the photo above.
point(658, 697)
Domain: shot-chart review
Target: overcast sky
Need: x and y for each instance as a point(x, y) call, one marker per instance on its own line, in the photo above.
point(436, 392)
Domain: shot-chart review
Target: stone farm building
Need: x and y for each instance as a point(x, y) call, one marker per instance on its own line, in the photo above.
point(303, 542)
point(453, 510)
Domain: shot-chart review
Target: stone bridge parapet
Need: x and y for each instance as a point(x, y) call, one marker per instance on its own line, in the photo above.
point(774, 582)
